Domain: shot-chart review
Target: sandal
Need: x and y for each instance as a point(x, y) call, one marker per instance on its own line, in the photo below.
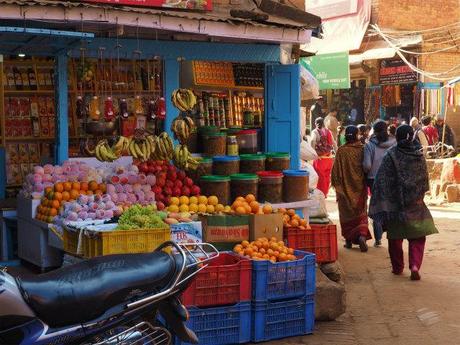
point(414, 274)
point(348, 245)
point(363, 244)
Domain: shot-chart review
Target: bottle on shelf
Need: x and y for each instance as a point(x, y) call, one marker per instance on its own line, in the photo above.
point(17, 79)
point(123, 106)
point(25, 79)
point(10, 78)
point(138, 109)
point(32, 78)
point(109, 114)
point(94, 111)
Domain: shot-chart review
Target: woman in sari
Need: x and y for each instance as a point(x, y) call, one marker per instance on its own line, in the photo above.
point(397, 201)
point(349, 182)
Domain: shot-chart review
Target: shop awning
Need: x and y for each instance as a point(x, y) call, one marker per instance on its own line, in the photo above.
point(218, 23)
point(37, 41)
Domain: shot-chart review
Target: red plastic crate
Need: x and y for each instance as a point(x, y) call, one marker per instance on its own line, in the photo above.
point(321, 240)
point(227, 280)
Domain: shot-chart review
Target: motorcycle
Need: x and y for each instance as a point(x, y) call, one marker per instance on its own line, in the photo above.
point(116, 299)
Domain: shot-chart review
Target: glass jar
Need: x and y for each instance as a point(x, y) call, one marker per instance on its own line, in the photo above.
point(251, 164)
point(225, 165)
point(244, 184)
point(215, 144)
point(216, 185)
point(295, 185)
point(270, 186)
point(204, 168)
point(247, 141)
point(232, 146)
point(277, 161)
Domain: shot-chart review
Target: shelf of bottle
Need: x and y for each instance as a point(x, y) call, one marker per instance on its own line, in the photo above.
point(108, 92)
point(203, 87)
point(29, 138)
point(28, 92)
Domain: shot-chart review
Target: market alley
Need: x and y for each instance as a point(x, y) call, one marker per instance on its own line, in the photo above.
point(383, 309)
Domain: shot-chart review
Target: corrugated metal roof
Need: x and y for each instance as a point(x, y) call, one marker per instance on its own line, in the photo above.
point(218, 14)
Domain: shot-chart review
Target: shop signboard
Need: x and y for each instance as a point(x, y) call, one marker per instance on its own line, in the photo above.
point(331, 70)
point(396, 72)
point(183, 4)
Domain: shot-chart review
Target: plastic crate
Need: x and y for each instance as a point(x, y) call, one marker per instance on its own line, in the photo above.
point(282, 280)
point(220, 325)
point(275, 320)
point(227, 280)
point(124, 241)
point(70, 242)
point(321, 240)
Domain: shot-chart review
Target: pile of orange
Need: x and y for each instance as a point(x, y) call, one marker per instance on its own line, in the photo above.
point(55, 197)
point(292, 220)
point(265, 249)
point(249, 205)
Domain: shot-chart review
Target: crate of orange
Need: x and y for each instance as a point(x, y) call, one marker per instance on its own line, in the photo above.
point(320, 239)
point(227, 280)
point(278, 272)
point(55, 197)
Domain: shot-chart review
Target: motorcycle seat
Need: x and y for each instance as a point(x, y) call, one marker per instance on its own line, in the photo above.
point(84, 291)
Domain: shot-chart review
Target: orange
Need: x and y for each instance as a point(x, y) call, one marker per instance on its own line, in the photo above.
point(247, 208)
point(55, 204)
point(283, 257)
point(67, 186)
point(273, 239)
point(238, 248)
point(58, 196)
point(291, 212)
point(74, 194)
point(255, 248)
point(103, 188)
point(240, 210)
point(267, 209)
point(303, 222)
point(248, 251)
point(93, 186)
point(53, 212)
point(266, 257)
point(282, 210)
point(98, 192)
point(254, 206)
point(250, 197)
point(273, 259)
point(58, 187)
point(89, 192)
point(290, 251)
point(262, 250)
point(50, 196)
point(236, 204)
point(65, 196)
point(301, 227)
point(240, 198)
point(76, 185)
point(48, 190)
point(245, 244)
point(84, 186)
point(295, 222)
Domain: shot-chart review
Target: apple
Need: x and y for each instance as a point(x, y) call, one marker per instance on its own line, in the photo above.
point(181, 175)
point(143, 167)
point(172, 175)
point(156, 189)
point(186, 191)
point(195, 190)
point(160, 206)
point(188, 182)
point(178, 184)
point(152, 169)
point(176, 192)
point(161, 182)
point(168, 191)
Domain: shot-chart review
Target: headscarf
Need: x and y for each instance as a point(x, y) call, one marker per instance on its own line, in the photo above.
point(351, 133)
point(406, 142)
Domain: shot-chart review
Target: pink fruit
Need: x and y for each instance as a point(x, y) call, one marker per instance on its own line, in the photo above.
point(83, 215)
point(188, 182)
point(122, 197)
point(111, 189)
point(114, 197)
point(76, 207)
point(100, 214)
point(137, 188)
point(92, 215)
point(151, 179)
point(97, 198)
point(47, 178)
point(132, 179)
point(108, 214)
point(73, 216)
point(118, 211)
point(48, 169)
point(134, 169)
point(106, 198)
point(93, 206)
point(90, 198)
point(128, 188)
point(141, 178)
point(195, 190)
point(58, 170)
point(123, 179)
point(83, 199)
point(176, 192)
point(39, 170)
point(115, 179)
point(149, 196)
point(83, 177)
point(39, 187)
point(181, 175)
point(146, 188)
point(39, 178)
point(132, 198)
point(109, 205)
point(140, 196)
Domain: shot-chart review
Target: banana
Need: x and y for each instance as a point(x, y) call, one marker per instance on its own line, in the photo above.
point(132, 150)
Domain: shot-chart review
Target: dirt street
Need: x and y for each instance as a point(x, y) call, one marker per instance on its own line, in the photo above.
point(384, 309)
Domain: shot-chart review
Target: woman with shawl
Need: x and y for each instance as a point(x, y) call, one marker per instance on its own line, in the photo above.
point(349, 182)
point(397, 201)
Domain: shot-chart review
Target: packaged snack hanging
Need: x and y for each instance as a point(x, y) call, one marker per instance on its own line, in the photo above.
point(138, 109)
point(124, 108)
point(79, 110)
point(109, 114)
point(160, 108)
point(94, 111)
point(151, 110)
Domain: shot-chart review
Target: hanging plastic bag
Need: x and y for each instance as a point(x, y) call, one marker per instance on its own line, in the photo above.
point(313, 175)
point(307, 153)
point(318, 210)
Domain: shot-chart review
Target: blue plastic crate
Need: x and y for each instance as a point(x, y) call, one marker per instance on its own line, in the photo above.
point(220, 325)
point(276, 320)
point(283, 280)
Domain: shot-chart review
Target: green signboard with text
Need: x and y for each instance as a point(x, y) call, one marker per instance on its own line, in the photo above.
point(331, 70)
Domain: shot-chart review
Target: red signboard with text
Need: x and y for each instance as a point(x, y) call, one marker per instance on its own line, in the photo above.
point(203, 5)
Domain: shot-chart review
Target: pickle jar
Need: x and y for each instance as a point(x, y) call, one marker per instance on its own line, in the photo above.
point(216, 185)
point(215, 144)
point(225, 165)
point(204, 168)
point(270, 186)
point(295, 185)
point(243, 184)
point(277, 161)
point(232, 145)
point(251, 164)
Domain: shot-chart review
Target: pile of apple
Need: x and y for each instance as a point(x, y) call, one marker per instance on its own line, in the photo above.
point(89, 207)
point(127, 186)
point(170, 182)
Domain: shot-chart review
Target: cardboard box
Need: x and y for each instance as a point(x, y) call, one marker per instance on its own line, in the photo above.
point(27, 208)
point(225, 228)
point(266, 225)
point(187, 232)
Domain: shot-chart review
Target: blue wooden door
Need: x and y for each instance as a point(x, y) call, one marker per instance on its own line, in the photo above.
point(282, 110)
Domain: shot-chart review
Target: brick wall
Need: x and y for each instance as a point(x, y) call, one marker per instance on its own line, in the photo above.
point(416, 14)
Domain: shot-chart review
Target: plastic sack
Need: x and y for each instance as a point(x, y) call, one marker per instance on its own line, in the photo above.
point(307, 153)
point(313, 175)
point(309, 86)
point(318, 210)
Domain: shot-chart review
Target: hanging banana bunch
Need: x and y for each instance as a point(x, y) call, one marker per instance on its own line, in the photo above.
point(183, 99)
point(183, 159)
point(104, 152)
point(182, 126)
point(164, 148)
